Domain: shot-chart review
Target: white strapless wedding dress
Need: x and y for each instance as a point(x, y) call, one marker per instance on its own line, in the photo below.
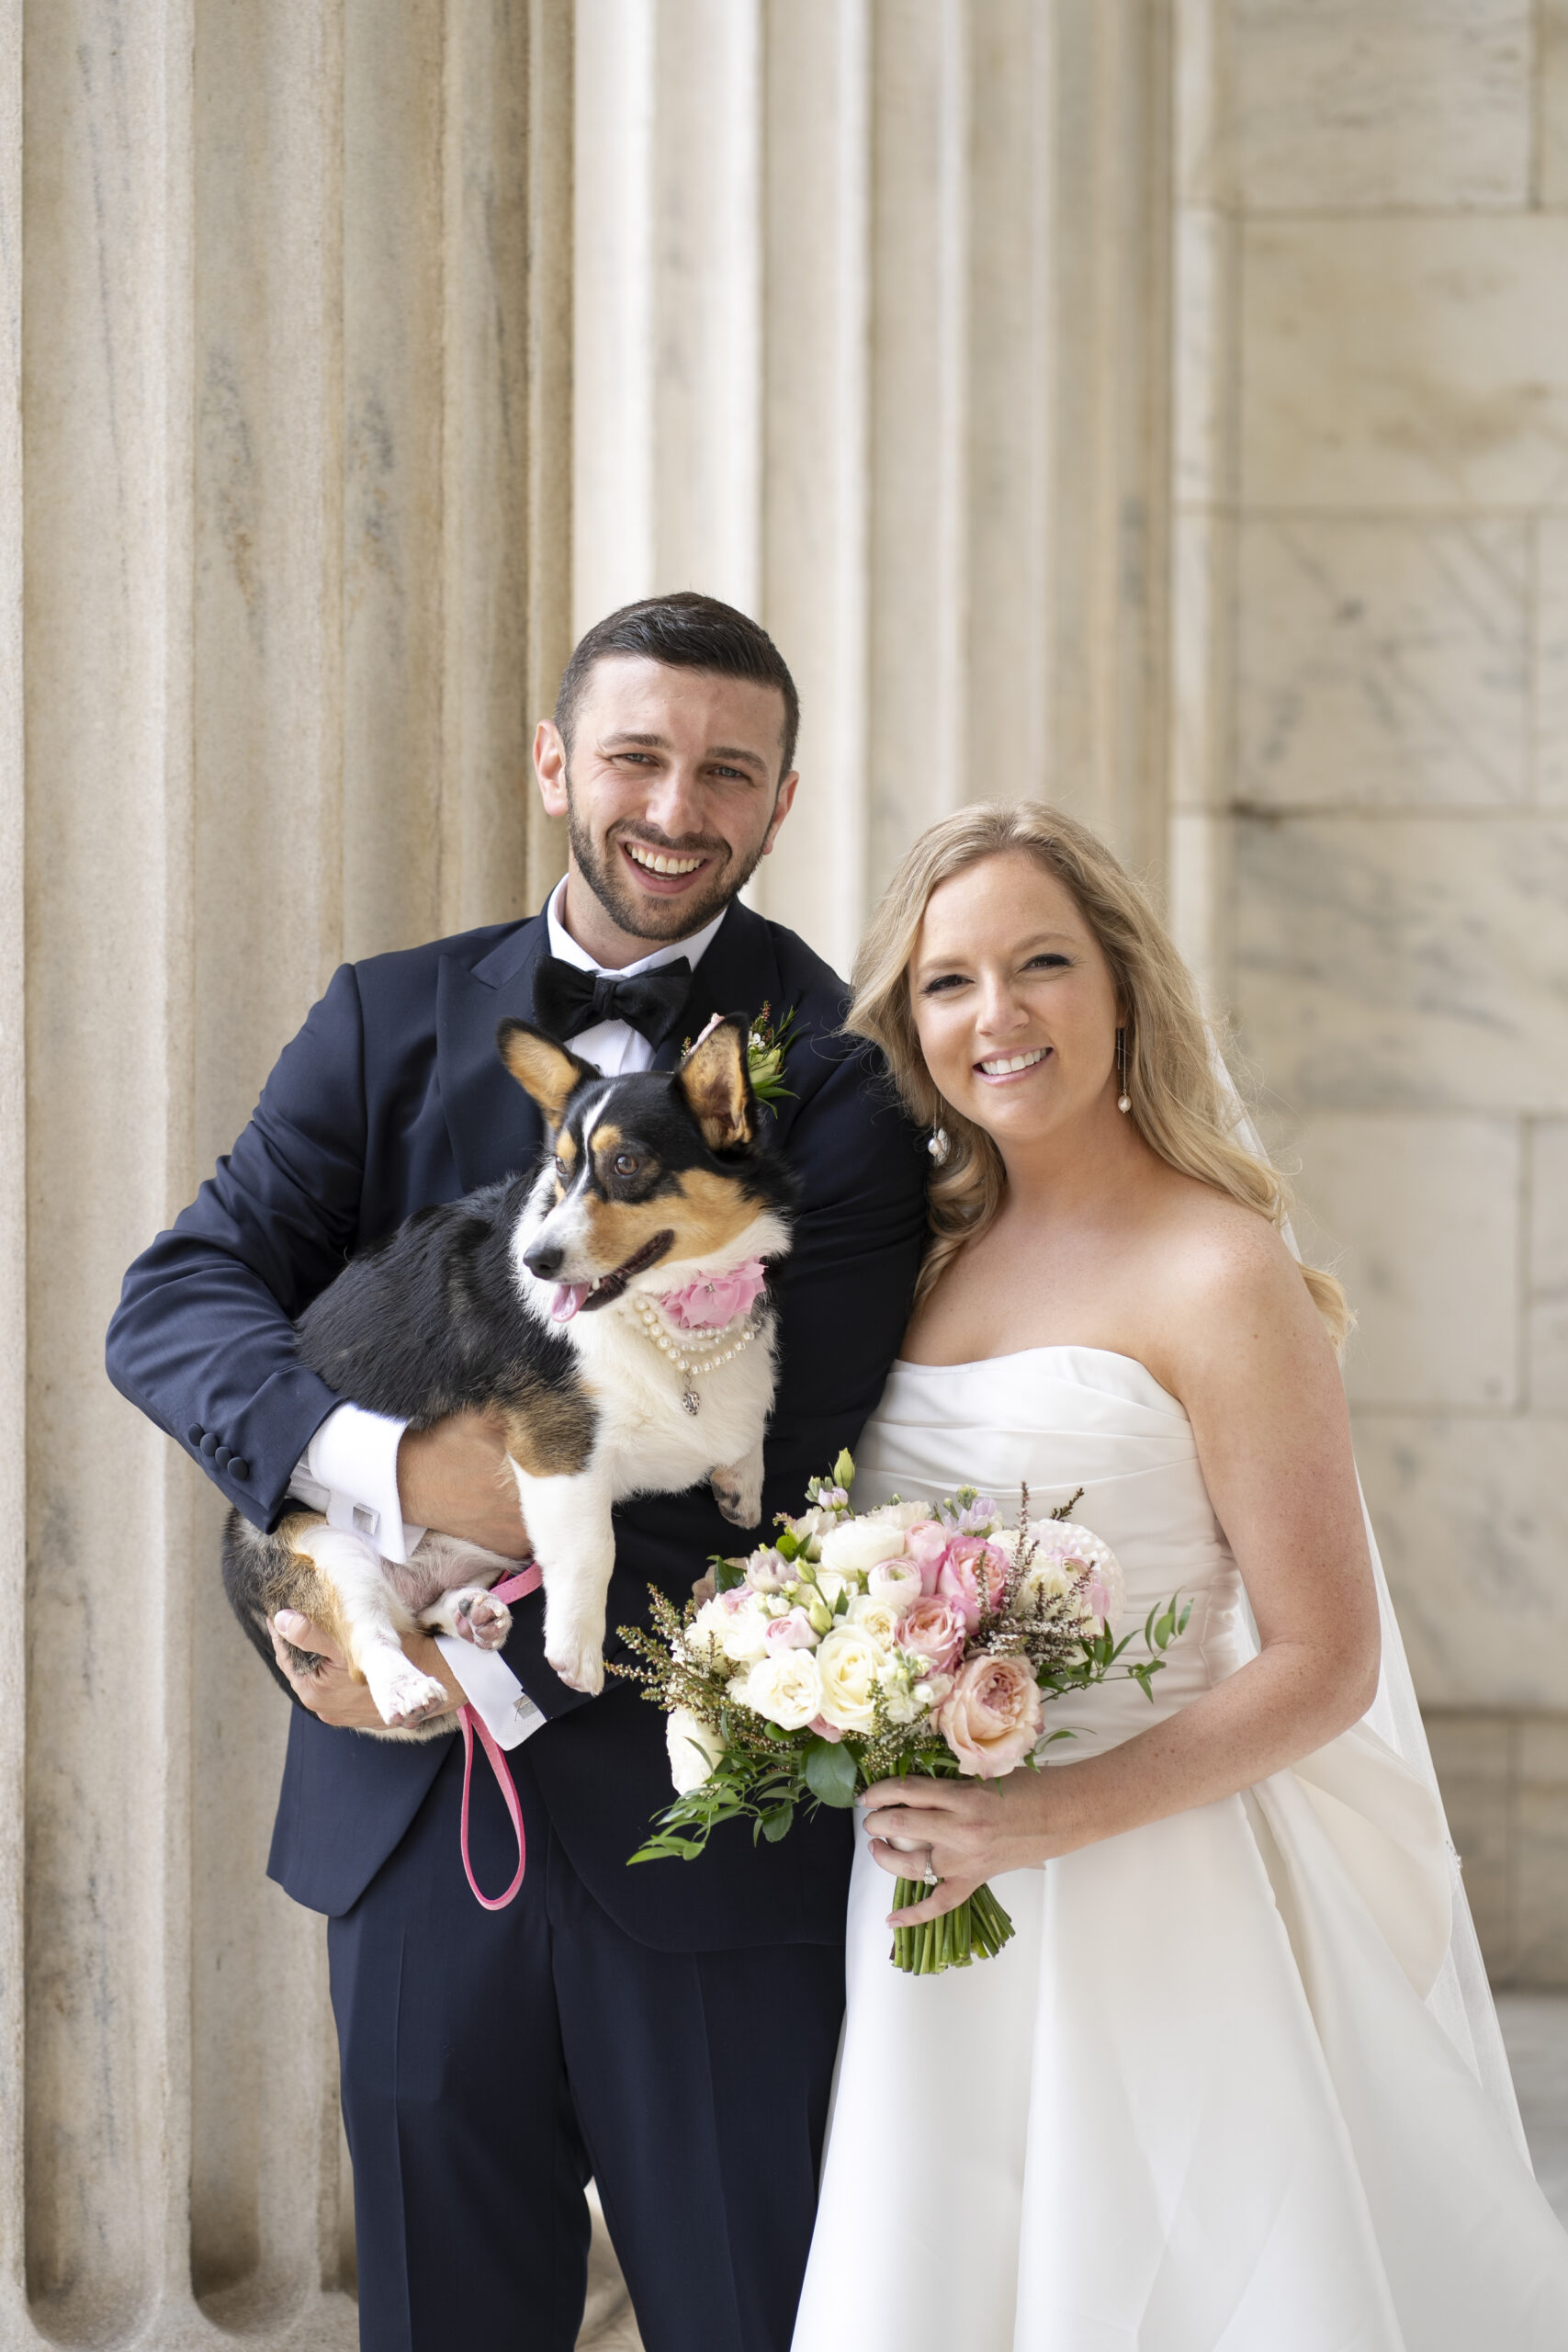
point(1202, 2099)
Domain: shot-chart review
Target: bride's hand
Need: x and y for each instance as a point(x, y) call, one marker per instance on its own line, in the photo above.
point(973, 1830)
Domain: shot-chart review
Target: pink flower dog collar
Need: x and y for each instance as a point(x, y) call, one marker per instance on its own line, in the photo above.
point(713, 1300)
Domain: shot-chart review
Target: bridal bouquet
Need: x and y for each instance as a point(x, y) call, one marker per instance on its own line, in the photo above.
point(862, 1647)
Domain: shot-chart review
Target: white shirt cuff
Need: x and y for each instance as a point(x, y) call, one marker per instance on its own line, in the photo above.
point(493, 1692)
point(349, 1471)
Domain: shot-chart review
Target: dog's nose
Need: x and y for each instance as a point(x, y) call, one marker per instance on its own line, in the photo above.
point(544, 1259)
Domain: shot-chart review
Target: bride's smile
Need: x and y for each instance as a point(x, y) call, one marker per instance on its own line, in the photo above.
point(1016, 1011)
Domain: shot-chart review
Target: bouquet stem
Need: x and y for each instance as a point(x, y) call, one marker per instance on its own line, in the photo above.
point(975, 1929)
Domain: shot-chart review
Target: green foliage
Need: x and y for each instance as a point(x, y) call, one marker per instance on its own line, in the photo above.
point(830, 1772)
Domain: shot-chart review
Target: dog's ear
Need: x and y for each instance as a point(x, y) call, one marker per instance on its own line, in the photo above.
point(551, 1073)
point(717, 1084)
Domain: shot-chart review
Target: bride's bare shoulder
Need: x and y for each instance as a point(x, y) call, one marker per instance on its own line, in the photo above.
point(1216, 1268)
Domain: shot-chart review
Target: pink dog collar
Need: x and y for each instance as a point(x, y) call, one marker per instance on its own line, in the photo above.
point(713, 1300)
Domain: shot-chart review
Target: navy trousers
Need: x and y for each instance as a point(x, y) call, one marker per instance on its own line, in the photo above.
point(492, 2062)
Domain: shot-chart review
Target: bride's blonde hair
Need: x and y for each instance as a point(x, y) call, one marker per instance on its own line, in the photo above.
point(1177, 1105)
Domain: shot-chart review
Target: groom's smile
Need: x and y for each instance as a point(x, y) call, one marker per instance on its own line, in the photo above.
point(671, 781)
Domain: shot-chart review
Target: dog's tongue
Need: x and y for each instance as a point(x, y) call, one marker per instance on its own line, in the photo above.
point(569, 1298)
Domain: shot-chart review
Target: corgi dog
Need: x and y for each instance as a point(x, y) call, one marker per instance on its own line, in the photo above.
point(610, 1307)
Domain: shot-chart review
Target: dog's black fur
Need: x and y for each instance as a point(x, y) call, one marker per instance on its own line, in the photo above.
point(434, 1319)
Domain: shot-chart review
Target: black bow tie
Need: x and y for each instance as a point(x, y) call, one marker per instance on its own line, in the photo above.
point(568, 999)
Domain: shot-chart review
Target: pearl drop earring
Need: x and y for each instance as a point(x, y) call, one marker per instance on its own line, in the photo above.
point(937, 1146)
point(1123, 1100)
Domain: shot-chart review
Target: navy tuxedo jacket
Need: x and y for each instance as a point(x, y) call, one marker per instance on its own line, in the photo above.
point(393, 1096)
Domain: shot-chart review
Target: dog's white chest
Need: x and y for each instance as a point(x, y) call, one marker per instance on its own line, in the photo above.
point(671, 1417)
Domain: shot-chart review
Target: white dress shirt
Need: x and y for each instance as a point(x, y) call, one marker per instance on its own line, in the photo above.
point(349, 1470)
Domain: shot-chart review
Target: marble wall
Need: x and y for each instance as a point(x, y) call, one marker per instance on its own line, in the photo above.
point(1371, 845)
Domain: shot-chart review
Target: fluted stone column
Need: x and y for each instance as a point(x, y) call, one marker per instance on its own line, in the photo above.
point(284, 563)
point(13, 1192)
point(870, 340)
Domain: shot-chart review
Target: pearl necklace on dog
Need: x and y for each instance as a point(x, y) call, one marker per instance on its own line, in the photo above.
point(689, 1354)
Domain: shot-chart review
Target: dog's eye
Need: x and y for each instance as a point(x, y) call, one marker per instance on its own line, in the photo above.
point(627, 1164)
point(560, 1168)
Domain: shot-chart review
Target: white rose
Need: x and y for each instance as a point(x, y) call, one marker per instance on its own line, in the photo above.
point(814, 1522)
point(706, 1632)
point(875, 1617)
point(694, 1750)
point(896, 1582)
point(745, 1637)
point(848, 1663)
point(850, 1550)
point(719, 1634)
point(898, 1514)
point(785, 1687)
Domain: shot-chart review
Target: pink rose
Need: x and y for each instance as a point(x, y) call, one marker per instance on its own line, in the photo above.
point(823, 1728)
point(992, 1716)
point(926, 1544)
point(935, 1630)
point(714, 1299)
point(973, 1575)
point(791, 1633)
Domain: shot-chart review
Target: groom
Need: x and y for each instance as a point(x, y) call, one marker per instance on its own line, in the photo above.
point(669, 2031)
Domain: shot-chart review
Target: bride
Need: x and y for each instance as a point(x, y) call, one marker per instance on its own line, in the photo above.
point(1236, 2081)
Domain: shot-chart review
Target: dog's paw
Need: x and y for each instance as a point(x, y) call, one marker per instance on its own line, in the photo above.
point(579, 1660)
point(479, 1618)
point(405, 1697)
point(738, 1494)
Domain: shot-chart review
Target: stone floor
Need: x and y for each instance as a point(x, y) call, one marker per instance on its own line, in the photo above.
point(1535, 2026)
point(607, 2323)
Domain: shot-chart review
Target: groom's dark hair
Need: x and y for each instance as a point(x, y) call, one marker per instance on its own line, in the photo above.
point(684, 631)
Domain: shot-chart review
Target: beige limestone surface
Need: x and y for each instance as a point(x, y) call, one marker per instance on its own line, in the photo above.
point(1419, 1218)
point(1344, 107)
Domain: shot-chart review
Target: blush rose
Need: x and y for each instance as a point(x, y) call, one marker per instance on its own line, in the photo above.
point(992, 1716)
point(935, 1630)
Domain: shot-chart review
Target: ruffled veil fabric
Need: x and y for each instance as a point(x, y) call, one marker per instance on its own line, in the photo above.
point(1461, 1998)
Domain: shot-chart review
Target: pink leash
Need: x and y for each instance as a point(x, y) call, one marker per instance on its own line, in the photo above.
point(527, 1579)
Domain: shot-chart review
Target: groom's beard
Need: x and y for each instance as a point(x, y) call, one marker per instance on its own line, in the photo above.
point(645, 917)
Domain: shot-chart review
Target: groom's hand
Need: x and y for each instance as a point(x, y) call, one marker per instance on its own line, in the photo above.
point(331, 1691)
point(455, 1476)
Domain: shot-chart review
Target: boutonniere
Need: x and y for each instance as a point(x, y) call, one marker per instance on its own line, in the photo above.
point(767, 1042)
